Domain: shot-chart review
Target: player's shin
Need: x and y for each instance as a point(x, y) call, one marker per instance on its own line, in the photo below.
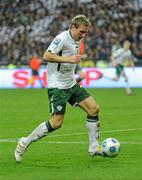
point(128, 89)
point(41, 131)
point(93, 127)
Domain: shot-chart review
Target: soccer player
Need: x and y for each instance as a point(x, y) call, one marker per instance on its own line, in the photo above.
point(34, 64)
point(62, 57)
point(121, 58)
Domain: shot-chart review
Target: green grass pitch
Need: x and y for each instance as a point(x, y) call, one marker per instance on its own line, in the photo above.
point(63, 154)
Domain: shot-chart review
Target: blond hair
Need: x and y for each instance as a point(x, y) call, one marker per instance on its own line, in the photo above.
point(80, 20)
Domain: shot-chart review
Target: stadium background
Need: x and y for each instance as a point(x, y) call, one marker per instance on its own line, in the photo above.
point(27, 28)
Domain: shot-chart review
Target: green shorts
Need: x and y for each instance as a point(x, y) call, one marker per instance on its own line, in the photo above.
point(59, 97)
point(119, 70)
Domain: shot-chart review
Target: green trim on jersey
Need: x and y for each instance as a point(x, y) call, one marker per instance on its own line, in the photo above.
point(70, 35)
point(76, 42)
point(59, 97)
point(58, 67)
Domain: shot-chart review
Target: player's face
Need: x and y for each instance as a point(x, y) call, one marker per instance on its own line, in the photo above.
point(127, 44)
point(80, 32)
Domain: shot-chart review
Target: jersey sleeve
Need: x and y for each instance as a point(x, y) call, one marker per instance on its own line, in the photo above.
point(56, 45)
point(117, 53)
point(130, 54)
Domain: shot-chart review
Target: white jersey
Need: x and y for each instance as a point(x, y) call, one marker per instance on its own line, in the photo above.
point(122, 56)
point(61, 75)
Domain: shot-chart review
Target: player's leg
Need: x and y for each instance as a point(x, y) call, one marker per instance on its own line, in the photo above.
point(116, 76)
point(42, 130)
point(91, 107)
point(32, 79)
point(118, 72)
point(83, 99)
point(39, 79)
point(57, 110)
point(128, 89)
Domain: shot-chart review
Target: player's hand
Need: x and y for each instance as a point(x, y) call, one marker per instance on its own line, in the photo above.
point(75, 58)
point(114, 64)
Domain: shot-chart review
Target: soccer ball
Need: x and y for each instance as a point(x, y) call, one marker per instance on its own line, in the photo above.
point(110, 147)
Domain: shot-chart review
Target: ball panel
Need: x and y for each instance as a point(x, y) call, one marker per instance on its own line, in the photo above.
point(112, 149)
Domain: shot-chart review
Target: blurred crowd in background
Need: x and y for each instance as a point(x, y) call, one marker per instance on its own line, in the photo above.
point(28, 26)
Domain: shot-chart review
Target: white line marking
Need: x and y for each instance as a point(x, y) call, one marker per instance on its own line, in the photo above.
point(63, 142)
point(73, 134)
point(139, 143)
point(109, 131)
point(122, 130)
point(81, 142)
point(8, 140)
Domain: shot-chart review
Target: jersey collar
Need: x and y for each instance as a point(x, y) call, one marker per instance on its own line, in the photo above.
point(70, 35)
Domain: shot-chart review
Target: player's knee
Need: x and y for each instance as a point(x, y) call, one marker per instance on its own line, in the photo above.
point(57, 126)
point(56, 123)
point(94, 110)
point(115, 78)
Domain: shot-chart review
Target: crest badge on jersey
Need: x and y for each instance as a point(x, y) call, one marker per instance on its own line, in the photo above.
point(59, 108)
point(56, 41)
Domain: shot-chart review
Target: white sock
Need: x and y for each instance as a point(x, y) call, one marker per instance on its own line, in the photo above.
point(128, 89)
point(93, 128)
point(38, 133)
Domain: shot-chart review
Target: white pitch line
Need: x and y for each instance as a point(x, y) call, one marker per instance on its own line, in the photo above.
point(8, 140)
point(73, 134)
point(64, 142)
point(81, 142)
point(109, 131)
point(122, 130)
point(139, 143)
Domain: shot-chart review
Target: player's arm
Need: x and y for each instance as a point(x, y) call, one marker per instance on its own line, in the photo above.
point(113, 60)
point(131, 63)
point(51, 57)
point(81, 77)
point(80, 73)
point(131, 60)
point(53, 53)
